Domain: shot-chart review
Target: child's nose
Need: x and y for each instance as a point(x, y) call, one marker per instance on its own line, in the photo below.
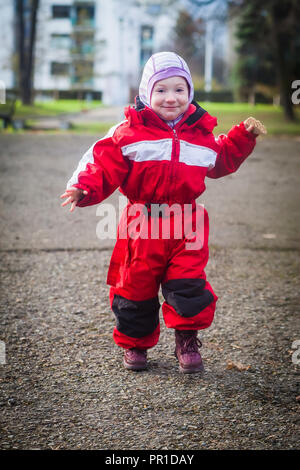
point(170, 97)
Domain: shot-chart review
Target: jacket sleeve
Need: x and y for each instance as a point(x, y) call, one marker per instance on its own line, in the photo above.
point(233, 149)
point(100, 171)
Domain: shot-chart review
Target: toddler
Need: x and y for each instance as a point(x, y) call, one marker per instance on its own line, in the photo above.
point(159, 157)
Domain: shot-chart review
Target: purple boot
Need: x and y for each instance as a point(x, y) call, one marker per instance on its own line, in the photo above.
point(135, 359)
point(187, 351)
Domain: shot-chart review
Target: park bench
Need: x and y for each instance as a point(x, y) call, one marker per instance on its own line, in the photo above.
point(7, 110)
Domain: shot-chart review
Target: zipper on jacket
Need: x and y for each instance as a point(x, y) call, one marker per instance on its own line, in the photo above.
point(176, 152)
point(174, 159)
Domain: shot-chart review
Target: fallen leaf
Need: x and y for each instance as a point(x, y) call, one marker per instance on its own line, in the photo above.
point(237, 365)
point(269, 235)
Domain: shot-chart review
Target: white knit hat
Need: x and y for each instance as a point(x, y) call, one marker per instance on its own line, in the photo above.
point(160, 66)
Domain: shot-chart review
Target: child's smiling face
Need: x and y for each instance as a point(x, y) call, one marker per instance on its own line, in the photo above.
point(170, 97)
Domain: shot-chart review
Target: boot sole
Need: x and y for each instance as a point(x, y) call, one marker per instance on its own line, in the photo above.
point(136, 367)
point(191, 370)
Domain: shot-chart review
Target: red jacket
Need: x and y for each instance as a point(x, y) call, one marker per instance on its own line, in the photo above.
point(151, 162)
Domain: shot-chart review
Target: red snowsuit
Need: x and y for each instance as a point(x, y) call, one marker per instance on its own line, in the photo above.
point(152, 163)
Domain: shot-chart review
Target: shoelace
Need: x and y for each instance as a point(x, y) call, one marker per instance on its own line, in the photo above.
point(190, 344)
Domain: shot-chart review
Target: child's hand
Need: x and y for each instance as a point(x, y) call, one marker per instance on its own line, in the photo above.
point(254, 126)
point(74, 195)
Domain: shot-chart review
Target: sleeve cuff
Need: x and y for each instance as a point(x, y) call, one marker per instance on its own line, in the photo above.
point(84, 200)
point(245, 132)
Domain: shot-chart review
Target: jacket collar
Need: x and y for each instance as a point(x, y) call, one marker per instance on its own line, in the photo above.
point(195, 116)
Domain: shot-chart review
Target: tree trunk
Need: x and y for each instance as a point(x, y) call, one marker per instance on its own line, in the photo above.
point(25, 46)
point(285, 80)
point(284, 73)
point(20, 44)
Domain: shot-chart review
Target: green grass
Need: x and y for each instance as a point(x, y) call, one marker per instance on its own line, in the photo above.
point(227, 114)
point(272, 117)
point(53, 108)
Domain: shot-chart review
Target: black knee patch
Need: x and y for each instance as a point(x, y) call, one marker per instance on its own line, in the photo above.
point(136, 318)
point(187, 296)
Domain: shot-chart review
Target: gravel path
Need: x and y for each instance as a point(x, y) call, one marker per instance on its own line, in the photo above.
point(62, 382)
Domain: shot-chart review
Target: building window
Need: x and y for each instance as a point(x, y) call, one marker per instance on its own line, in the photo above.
point(61, 11)
point(59, 68)
point(154, 8)
point(84, 15)
point(60, 41)
point(146, 43)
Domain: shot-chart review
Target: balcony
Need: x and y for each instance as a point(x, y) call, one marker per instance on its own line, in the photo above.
point(83, 16)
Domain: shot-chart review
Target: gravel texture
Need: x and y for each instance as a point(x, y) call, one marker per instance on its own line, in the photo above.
point(62, 383)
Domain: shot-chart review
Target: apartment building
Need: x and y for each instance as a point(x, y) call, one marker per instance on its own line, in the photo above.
point(91, 48)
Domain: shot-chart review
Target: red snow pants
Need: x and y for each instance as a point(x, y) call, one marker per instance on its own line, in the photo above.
point(147, 256)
